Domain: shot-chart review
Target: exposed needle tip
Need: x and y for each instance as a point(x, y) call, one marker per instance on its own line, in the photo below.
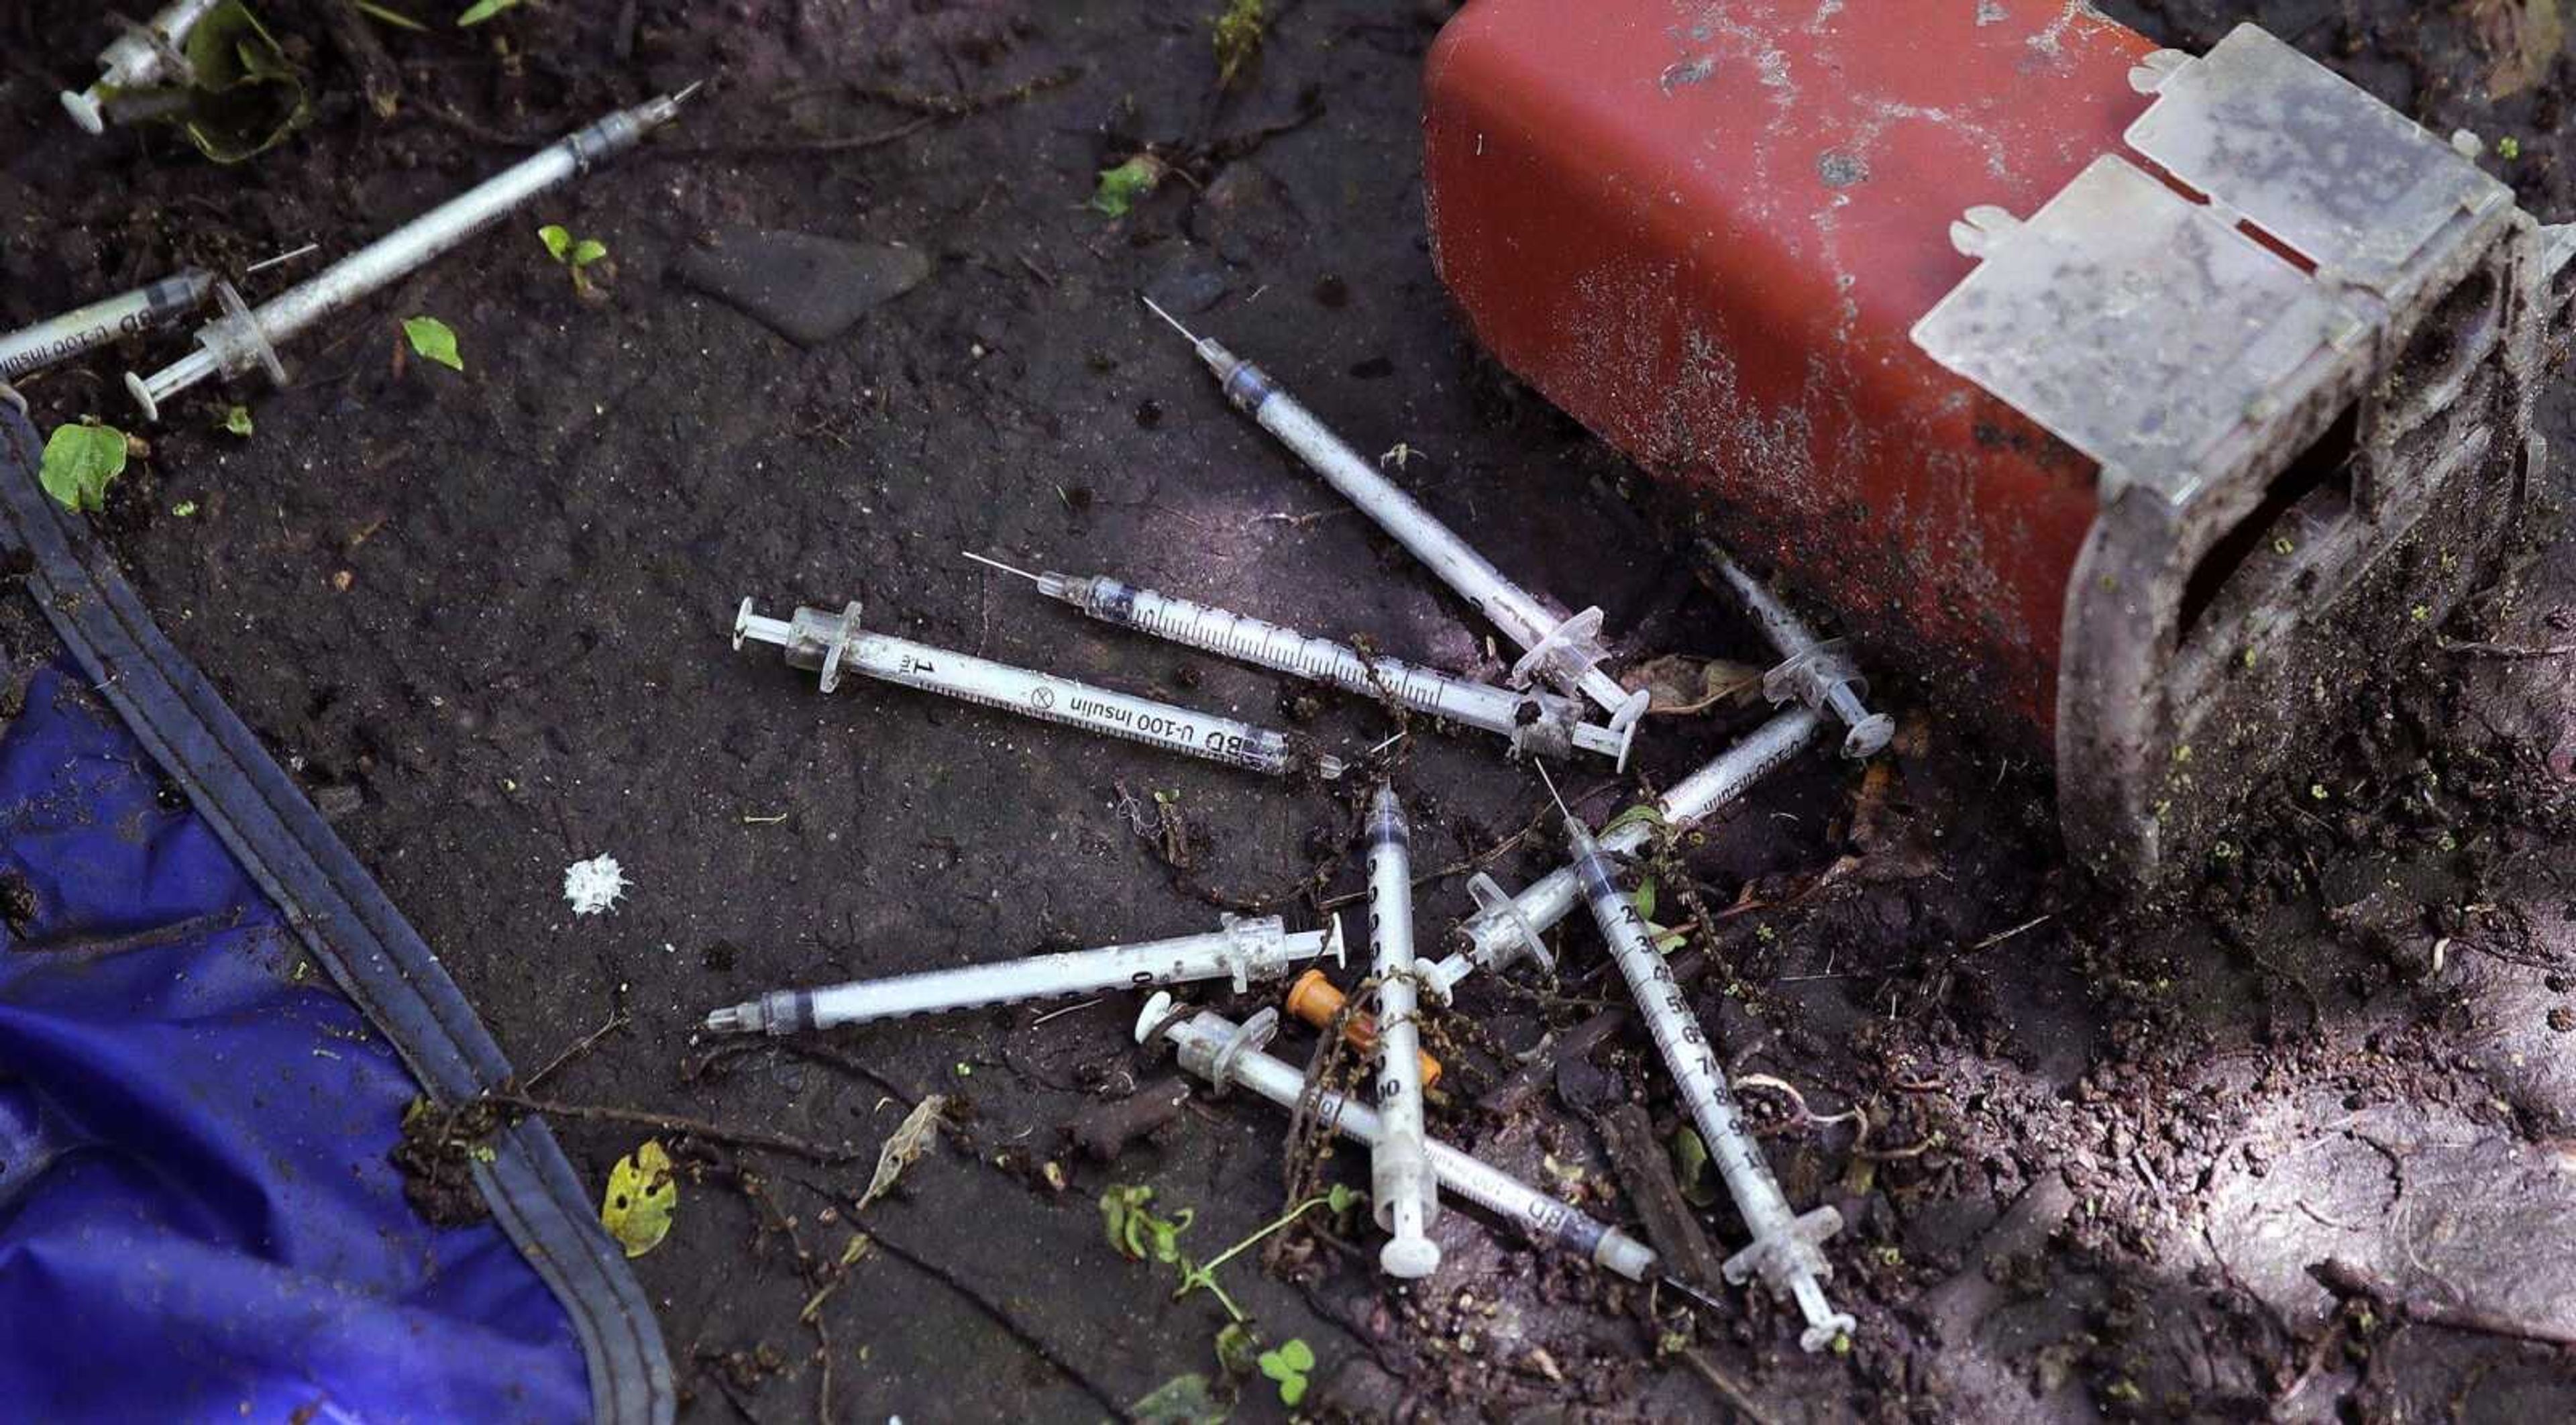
point(263, 266)
point(998, 564)
point(693, 87)
point(1168, 317)
point(1550, 783)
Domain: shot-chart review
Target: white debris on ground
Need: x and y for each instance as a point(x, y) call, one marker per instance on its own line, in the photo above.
point(593, 885)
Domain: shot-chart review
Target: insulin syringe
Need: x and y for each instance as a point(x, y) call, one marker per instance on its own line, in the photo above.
point(243, 340)
point(1566, 652)
point(154, 304)
point(1242, 950)
point(1216, 1049)
point(1536, 722)
point(1784, 1251)
point(1506, 927)
point(1402, 1189)
point(142, 56)
point(833, 644)
point(1818, 672)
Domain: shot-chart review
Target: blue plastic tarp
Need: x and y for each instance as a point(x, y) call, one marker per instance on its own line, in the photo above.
point(199, 1218)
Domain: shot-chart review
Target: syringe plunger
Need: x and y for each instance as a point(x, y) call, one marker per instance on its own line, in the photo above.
point(1783, 1252)
point(1214, 1048)
point(1243, 950)
point(1403, 1189)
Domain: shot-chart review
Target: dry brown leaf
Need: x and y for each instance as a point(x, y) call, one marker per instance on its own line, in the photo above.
point(920, 1128)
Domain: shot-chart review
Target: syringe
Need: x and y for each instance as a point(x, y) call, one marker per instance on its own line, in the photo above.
point(1506, 927)
point(1818, 672)
point(137, 58)
point(1566, 652)
point(1536, 722)
point(1215, 1049)
point(1243, 950)
point(241, 339)
point(154, 304)
point(833, 644)
point(1402, 1190)
point(1784, 1251)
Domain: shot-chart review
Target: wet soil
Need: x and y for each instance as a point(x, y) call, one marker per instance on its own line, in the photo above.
point(484, 616)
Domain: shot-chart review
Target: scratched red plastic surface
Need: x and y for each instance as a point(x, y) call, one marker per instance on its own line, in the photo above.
point(1706, 229)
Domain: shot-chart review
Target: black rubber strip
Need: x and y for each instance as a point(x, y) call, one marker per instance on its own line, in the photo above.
point(344, 920)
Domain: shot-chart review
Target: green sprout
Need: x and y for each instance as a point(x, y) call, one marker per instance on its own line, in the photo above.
point(1239, 33)
point(1120, 187)
point(482, 10)
point(573, 254)
point(79, 462)
point(237, 421)
point(1288, 1365)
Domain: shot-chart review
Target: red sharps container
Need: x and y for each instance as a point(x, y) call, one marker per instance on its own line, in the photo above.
point(2139, 404)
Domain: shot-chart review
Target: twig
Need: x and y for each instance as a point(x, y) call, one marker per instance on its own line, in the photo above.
point(616, 1021)
point(1718, 1381)
point(805, 1148)
point(1999, 937)
point(2345, 1278)
point(992, 1310)
point(2506, 650)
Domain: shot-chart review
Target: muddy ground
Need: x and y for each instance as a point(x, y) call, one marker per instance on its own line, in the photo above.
point(483, 615)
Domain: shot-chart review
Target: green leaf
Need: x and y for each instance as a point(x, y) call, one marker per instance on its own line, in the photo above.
point(434, 340)
point(1297, 1355)
point(1292, 1390)
point(1120, 187)
point(395, 18)
point(237, 420)
point(483, 10)
point(1645, 899)
point(557, 238)
point(1690, 1164)
point(1182, 1400)
point(184, 509)
point(588, 251)
point(79, 462)
point(1341, 1198)
point(1645, 812)
point(244, 94)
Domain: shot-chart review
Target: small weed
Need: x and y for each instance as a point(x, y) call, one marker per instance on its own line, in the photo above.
point(1120, 187)
point(574, 255)
point(1288, 1365)
point(482, 10)
point(237, 421)
point(1239, 33)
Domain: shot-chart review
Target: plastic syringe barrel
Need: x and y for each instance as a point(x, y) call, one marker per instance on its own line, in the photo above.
point(834, 644)
point(1215, 1049)
point(1507, 928)
point(154, 304)
point(1818, 672)
point(1535, 721)
point(1244, 950)
point(1783, 1250)
point(240, 342)
point(1402, 1189)
point(1572, 666)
